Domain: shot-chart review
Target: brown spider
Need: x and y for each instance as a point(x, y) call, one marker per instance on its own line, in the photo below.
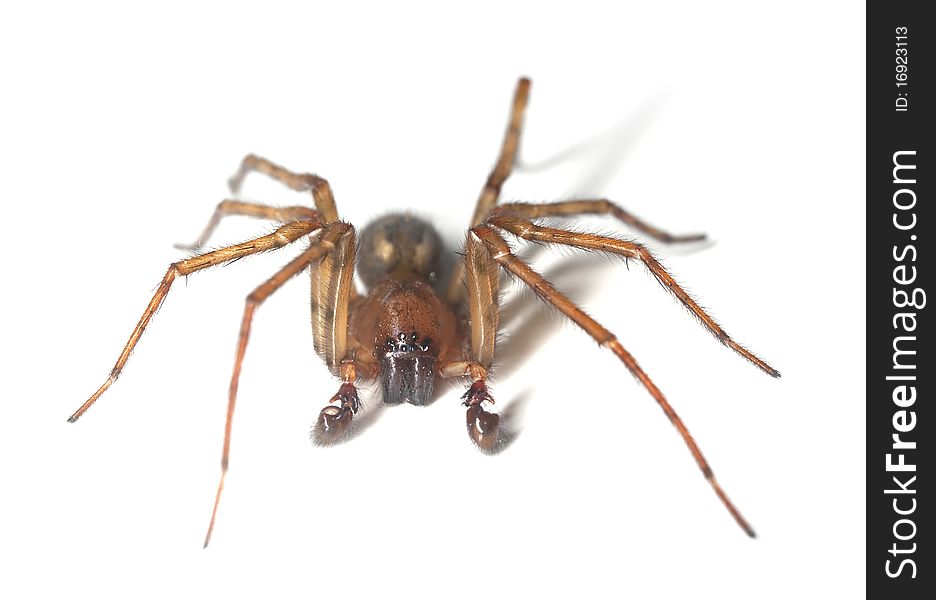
point(403, 330)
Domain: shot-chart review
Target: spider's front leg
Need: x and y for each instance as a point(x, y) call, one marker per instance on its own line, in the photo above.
point(283, 236)
point(333, 238)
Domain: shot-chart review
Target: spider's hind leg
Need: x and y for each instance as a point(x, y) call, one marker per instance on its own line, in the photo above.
point(602, 206)
point(325, 207)
point(526, 229)
point(301, 182)
point(500, 252)
point(286, 214)
point(490, 193)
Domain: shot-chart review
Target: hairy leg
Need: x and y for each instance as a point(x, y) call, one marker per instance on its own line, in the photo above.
point(501, 253)
point(301, 182)
point(284, 235)
point(594, 207)
point(326, 242)
point(286, 214)
point(527, 230)
point(492, 186)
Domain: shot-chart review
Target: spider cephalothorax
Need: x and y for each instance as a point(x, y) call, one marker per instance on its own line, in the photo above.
point(413, 329)
point(401, 330)
point(410, 324)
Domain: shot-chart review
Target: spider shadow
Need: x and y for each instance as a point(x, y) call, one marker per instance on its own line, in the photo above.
point(605, 149)
point(531, 323)
point(509, 429)
point(602, 155)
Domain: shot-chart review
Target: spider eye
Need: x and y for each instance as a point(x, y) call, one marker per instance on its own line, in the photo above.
point(414, 336)
point(425, 344)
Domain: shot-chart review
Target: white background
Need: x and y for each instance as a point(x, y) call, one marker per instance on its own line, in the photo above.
point(119, 128)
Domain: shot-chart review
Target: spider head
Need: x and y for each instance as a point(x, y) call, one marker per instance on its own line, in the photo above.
point(407, 368)
point(413, 328)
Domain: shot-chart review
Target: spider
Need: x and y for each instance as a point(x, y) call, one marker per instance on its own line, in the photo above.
point(406, 331)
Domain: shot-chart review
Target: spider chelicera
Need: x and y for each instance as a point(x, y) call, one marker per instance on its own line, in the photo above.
point(405, 331)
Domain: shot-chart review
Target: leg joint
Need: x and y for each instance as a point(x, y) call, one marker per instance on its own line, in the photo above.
point(254, 298)
point(493, 241)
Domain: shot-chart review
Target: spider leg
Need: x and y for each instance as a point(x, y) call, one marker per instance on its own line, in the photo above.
point(492, 186)
point(284, 235)
point(527, 230)
point(301, 182)
point(324, 204)
point(500, 252)
point(508, 154)
point(328, 240)
point(594, 207)
point(225, 208)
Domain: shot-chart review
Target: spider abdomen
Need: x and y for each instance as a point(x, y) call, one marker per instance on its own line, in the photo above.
point(398, 245)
